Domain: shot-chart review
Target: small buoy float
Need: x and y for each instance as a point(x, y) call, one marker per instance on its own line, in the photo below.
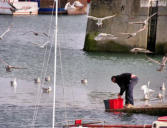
point(47, 78)
point(84, 81)
point(47, 90)
point(37, 80)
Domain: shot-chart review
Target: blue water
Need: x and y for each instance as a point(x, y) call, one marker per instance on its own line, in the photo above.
point(73, 100)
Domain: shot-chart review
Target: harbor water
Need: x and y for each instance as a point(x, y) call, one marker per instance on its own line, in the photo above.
point(73, 99)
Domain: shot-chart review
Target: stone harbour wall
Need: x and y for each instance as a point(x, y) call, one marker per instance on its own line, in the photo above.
point(126, 11)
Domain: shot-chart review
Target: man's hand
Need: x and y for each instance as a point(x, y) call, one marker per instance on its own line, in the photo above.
point(119, 96)
point(133, 76)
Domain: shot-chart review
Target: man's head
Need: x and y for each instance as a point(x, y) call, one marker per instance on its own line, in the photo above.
point(113, 79)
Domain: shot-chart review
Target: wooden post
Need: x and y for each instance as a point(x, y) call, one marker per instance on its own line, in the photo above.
point(152, 27)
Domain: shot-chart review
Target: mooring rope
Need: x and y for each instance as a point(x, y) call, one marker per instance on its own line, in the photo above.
point(38, 97)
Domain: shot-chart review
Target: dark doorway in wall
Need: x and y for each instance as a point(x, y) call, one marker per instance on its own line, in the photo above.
point(152, 26)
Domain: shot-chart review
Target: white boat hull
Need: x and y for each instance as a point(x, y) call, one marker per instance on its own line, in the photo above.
point(5, 8)
point(26, 8)
point(22, 8)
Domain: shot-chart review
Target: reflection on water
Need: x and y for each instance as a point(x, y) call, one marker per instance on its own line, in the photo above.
point(73, 100)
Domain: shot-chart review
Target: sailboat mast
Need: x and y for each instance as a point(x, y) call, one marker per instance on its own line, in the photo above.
point(55, 60)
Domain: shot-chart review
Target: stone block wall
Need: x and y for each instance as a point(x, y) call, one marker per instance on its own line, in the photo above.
point(126, 11)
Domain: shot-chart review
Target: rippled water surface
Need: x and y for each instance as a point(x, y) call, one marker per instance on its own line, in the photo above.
point(73, 100)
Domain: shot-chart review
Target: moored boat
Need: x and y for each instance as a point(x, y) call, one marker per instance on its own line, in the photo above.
point(161, 122)
point(25, 8)
point(79, 124)
point(48, 6)
point(16, 7)
point(5, 8)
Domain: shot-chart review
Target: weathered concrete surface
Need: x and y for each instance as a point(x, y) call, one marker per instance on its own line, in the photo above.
point(126, 11)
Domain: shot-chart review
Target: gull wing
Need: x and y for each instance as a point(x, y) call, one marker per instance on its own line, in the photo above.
point(19, 67)
point(152, 60)
point(108, 17)
point(28, 32)
point(142, 29)
point(150, 16)
point(3, 34)
point(45, 43)
point(66, 6)
point(125, 33)
point(92, 17)
point(138, 22)
point(45, 34)
point(164, 59)
point(36, 44)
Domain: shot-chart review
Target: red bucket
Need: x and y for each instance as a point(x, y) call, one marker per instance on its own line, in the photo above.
point(116, 103)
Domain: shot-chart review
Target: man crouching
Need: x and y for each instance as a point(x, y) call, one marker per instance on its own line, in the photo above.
point(126, 82)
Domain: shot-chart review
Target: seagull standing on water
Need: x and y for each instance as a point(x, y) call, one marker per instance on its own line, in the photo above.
point(47, 79)
point(162, 88)
point(147, 90)
point(14, 83)
point(84, 81)
point(47, 90)
point(145, 22)
point(37, 80)
point(100, 20)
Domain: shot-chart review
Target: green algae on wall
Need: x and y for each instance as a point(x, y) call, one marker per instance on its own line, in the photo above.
point(106, 46)
point(90, 43)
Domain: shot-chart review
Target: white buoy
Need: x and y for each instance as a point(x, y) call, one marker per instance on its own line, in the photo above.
point(13, 83)
point(47, 90)
point(47, 78)
point(84, 81)
point(37, 80)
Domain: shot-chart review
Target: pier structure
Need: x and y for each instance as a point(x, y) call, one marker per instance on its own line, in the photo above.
point(124, 34)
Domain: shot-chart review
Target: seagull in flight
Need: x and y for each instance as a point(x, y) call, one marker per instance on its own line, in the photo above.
point(140, 50)
point(162, 63)
point(4, 33)
point(78, 4)
point(41, 45)
point(105, 36)
point(100, 20)
point(68, 6)
point(130, 35)
point(10, 67)
point(36, 33)
point(145, 22)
